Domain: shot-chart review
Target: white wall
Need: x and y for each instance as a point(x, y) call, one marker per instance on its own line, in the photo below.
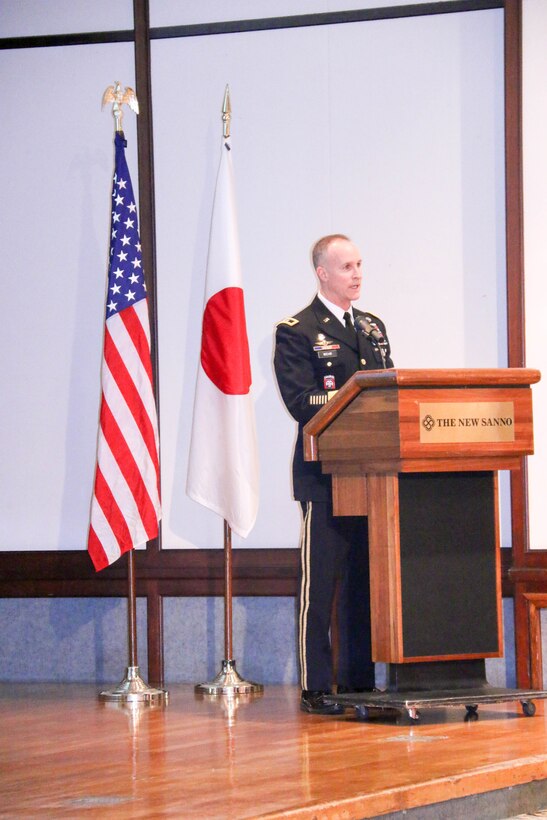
point(27, 18)
point(175, 13)
point(391, 131)
point(535, 247)
point(56, 165)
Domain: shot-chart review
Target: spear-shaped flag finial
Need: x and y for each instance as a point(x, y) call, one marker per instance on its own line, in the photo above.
point(226, 113)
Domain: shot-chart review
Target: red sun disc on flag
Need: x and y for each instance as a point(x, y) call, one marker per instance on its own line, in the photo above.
point(224, 343)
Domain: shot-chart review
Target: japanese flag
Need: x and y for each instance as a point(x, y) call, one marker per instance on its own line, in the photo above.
point(223, 463)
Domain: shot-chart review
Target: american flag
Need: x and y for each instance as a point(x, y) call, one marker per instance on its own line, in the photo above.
point(125, 508)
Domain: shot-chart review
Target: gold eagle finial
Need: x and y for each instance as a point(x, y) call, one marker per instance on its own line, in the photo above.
point(117, 96)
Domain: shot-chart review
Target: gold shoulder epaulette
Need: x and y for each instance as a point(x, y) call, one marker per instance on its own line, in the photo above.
point(290, 321)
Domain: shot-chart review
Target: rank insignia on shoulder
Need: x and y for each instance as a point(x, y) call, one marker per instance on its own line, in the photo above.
point(290, 321)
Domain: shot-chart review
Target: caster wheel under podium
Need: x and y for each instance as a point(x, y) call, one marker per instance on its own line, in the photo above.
point(528, 707)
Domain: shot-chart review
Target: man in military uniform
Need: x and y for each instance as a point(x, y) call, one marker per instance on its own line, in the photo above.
point(316, 352)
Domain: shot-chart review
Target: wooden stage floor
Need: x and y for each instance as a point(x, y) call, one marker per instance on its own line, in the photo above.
point(65, 754)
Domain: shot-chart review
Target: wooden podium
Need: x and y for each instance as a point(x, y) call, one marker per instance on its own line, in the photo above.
point(418, 452)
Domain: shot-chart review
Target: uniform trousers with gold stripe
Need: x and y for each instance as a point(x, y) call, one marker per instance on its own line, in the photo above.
point(334, 560)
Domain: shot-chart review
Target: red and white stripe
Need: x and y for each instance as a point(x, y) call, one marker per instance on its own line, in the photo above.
point(125, 509)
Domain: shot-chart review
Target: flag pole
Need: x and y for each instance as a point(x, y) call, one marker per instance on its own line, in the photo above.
point(132, 689)
point(228, 653)
point(228, 681)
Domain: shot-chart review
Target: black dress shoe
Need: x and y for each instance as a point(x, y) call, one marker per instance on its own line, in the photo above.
point(355, 690)
point(314, 702)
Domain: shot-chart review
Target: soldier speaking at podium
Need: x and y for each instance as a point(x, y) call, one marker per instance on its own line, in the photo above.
point(316, 352)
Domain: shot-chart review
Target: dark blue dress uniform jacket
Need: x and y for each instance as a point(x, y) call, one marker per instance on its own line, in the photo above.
point(314, 355)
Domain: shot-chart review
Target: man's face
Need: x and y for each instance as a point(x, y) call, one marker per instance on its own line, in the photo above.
point(341, 273)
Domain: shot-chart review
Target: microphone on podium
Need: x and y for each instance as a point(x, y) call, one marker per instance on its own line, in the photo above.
point(363, 324)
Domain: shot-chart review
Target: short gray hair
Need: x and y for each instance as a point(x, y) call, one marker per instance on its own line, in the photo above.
point(322, 246)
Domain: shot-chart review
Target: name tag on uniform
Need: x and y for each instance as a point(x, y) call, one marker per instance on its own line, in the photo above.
point(328, 353)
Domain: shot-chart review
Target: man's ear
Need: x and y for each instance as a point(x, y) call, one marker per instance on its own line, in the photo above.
point(321, 273)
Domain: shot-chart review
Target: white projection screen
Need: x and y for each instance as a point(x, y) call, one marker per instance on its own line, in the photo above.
point(56, 165)
point(389, 131)
point(534, 117)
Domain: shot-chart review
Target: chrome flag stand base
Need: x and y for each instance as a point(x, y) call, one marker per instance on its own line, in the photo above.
point(132, 689)
point(228, 682)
